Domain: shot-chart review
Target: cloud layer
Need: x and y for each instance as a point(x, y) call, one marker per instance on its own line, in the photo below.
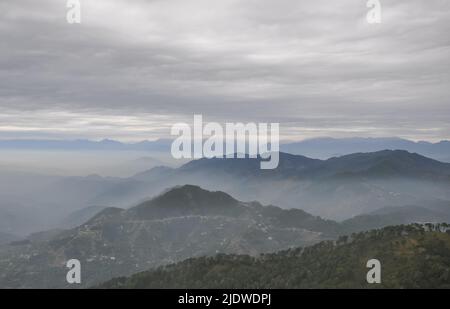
point(133, 68)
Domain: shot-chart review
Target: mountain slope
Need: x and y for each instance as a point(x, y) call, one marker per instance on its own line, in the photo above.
point(393, 163)
point(411, 257)
point(433, 213)
point(289, 165)
point(183, 222)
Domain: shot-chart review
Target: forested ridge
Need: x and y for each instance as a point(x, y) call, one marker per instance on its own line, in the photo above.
point(411, 256)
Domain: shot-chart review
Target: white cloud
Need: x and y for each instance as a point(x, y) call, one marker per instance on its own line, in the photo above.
point(314, 66)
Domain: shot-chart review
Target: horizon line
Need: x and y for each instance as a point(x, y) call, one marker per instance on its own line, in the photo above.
point(166, 139)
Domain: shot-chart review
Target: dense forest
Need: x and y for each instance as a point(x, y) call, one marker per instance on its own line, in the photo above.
point(411, 256)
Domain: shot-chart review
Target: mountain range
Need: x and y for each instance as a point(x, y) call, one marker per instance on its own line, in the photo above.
point(320, 148)
point(180, 223)
point(324, 148)
point(183, 222)
point(337, 188)
point(162, 145)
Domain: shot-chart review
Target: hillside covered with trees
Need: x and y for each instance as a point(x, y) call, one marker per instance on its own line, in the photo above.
point(411, 256)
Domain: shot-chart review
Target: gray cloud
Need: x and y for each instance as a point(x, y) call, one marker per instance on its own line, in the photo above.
point(131, 69)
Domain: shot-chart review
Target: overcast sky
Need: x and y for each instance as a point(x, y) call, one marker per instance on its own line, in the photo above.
point(131, 69)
